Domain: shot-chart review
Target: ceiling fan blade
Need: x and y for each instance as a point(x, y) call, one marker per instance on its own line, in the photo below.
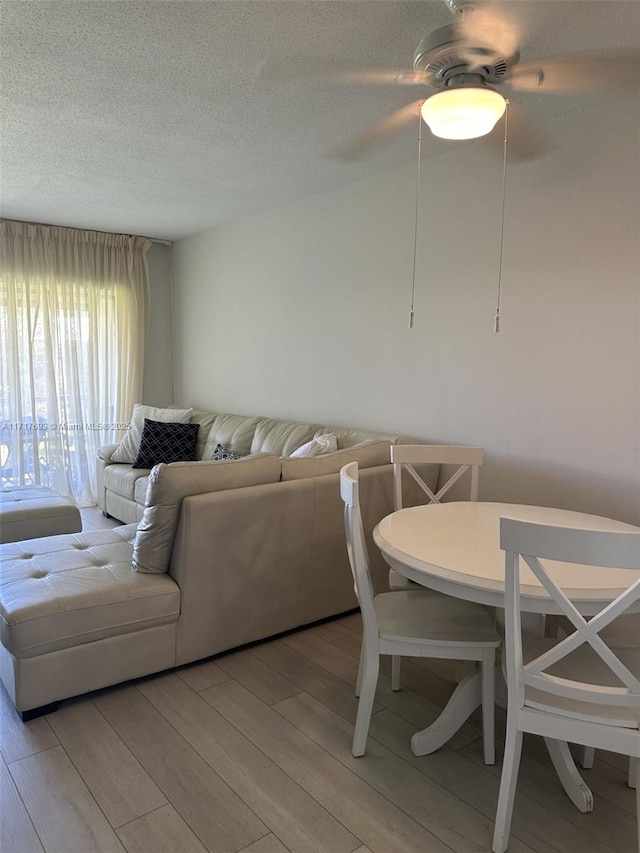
point(345, 76)
point(491, 30)
point(364, 145)
point(585, 72)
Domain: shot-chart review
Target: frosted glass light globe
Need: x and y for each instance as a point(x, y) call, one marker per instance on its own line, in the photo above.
point(465, 112)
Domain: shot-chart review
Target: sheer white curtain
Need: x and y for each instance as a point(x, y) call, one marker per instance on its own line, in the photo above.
point(73, 307)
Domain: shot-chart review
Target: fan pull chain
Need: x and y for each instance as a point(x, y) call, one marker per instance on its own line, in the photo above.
point(496, 322)
point(415, 230)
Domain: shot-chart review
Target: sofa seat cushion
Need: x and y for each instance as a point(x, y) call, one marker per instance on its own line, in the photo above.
point(121, 479)
point(62, 591)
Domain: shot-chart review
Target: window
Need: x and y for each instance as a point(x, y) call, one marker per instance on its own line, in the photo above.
point(71, 350)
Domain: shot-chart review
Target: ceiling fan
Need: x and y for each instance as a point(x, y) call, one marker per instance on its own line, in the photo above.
point(467, 62)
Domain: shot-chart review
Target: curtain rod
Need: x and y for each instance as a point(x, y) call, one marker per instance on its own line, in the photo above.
point(94, 230)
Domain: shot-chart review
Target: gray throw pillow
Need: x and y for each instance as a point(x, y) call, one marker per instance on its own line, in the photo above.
point(221, 453)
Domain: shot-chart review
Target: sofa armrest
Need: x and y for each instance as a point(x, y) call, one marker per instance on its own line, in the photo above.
point(104, 459)
point(170, 484)
point(105, 453)
point(101, 492)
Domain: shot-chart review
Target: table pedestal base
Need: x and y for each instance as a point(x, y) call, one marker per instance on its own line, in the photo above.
point(463, 702)
point(577, 789)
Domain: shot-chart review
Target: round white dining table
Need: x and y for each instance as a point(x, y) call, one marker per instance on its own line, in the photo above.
point(455, 548)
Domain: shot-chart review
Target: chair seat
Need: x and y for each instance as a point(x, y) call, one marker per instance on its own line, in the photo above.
point(586, 666)
point(419, 616)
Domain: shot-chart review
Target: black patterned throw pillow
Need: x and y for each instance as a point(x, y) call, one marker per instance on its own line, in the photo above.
point(221, 453)
point(166, 442)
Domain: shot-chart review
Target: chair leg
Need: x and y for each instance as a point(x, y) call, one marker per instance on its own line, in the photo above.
point(587, 756)
point(370, 669)
point(551, 627)
point(488, 706)
point(360, 667)
point(508, 781)
point(395, 672)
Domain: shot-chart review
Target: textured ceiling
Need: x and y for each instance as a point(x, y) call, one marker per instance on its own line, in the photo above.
point(153, 117)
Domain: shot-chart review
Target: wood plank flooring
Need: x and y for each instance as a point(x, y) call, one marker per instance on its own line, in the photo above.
point(251, 752)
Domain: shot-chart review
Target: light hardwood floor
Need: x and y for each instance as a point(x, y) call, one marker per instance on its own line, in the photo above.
point(251, 752)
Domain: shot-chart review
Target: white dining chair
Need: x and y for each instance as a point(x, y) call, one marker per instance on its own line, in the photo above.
point(622, 633)
point(411, 623)
point(404, 458)
point(578, 689)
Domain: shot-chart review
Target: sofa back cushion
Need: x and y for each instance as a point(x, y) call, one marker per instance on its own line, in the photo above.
point(235, 432)
point(169, 484)
point(367, 455)
point(281, 437)
point(352, 437)
point(205, 422)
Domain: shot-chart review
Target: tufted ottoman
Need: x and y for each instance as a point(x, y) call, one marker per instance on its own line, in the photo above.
point(75, 616)
point(29, 511)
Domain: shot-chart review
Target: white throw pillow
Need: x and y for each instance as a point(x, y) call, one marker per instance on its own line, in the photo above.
point(320, 444)
point(130, 444)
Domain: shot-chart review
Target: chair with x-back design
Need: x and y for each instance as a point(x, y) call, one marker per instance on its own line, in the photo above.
point(579, 689)
point(404, 457)
point(412, 623)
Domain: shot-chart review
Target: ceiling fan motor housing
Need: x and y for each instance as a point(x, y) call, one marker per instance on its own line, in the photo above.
point(446, 53)
point(459, 6)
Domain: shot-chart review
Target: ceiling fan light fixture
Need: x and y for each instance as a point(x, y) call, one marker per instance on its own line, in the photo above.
point(464, 112)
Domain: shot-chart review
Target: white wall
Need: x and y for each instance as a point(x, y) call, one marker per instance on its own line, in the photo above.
point(157, 383)
point(301, 312)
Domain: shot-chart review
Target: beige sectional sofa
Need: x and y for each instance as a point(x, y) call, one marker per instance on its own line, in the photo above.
point(225, 553)
point(122, 489)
